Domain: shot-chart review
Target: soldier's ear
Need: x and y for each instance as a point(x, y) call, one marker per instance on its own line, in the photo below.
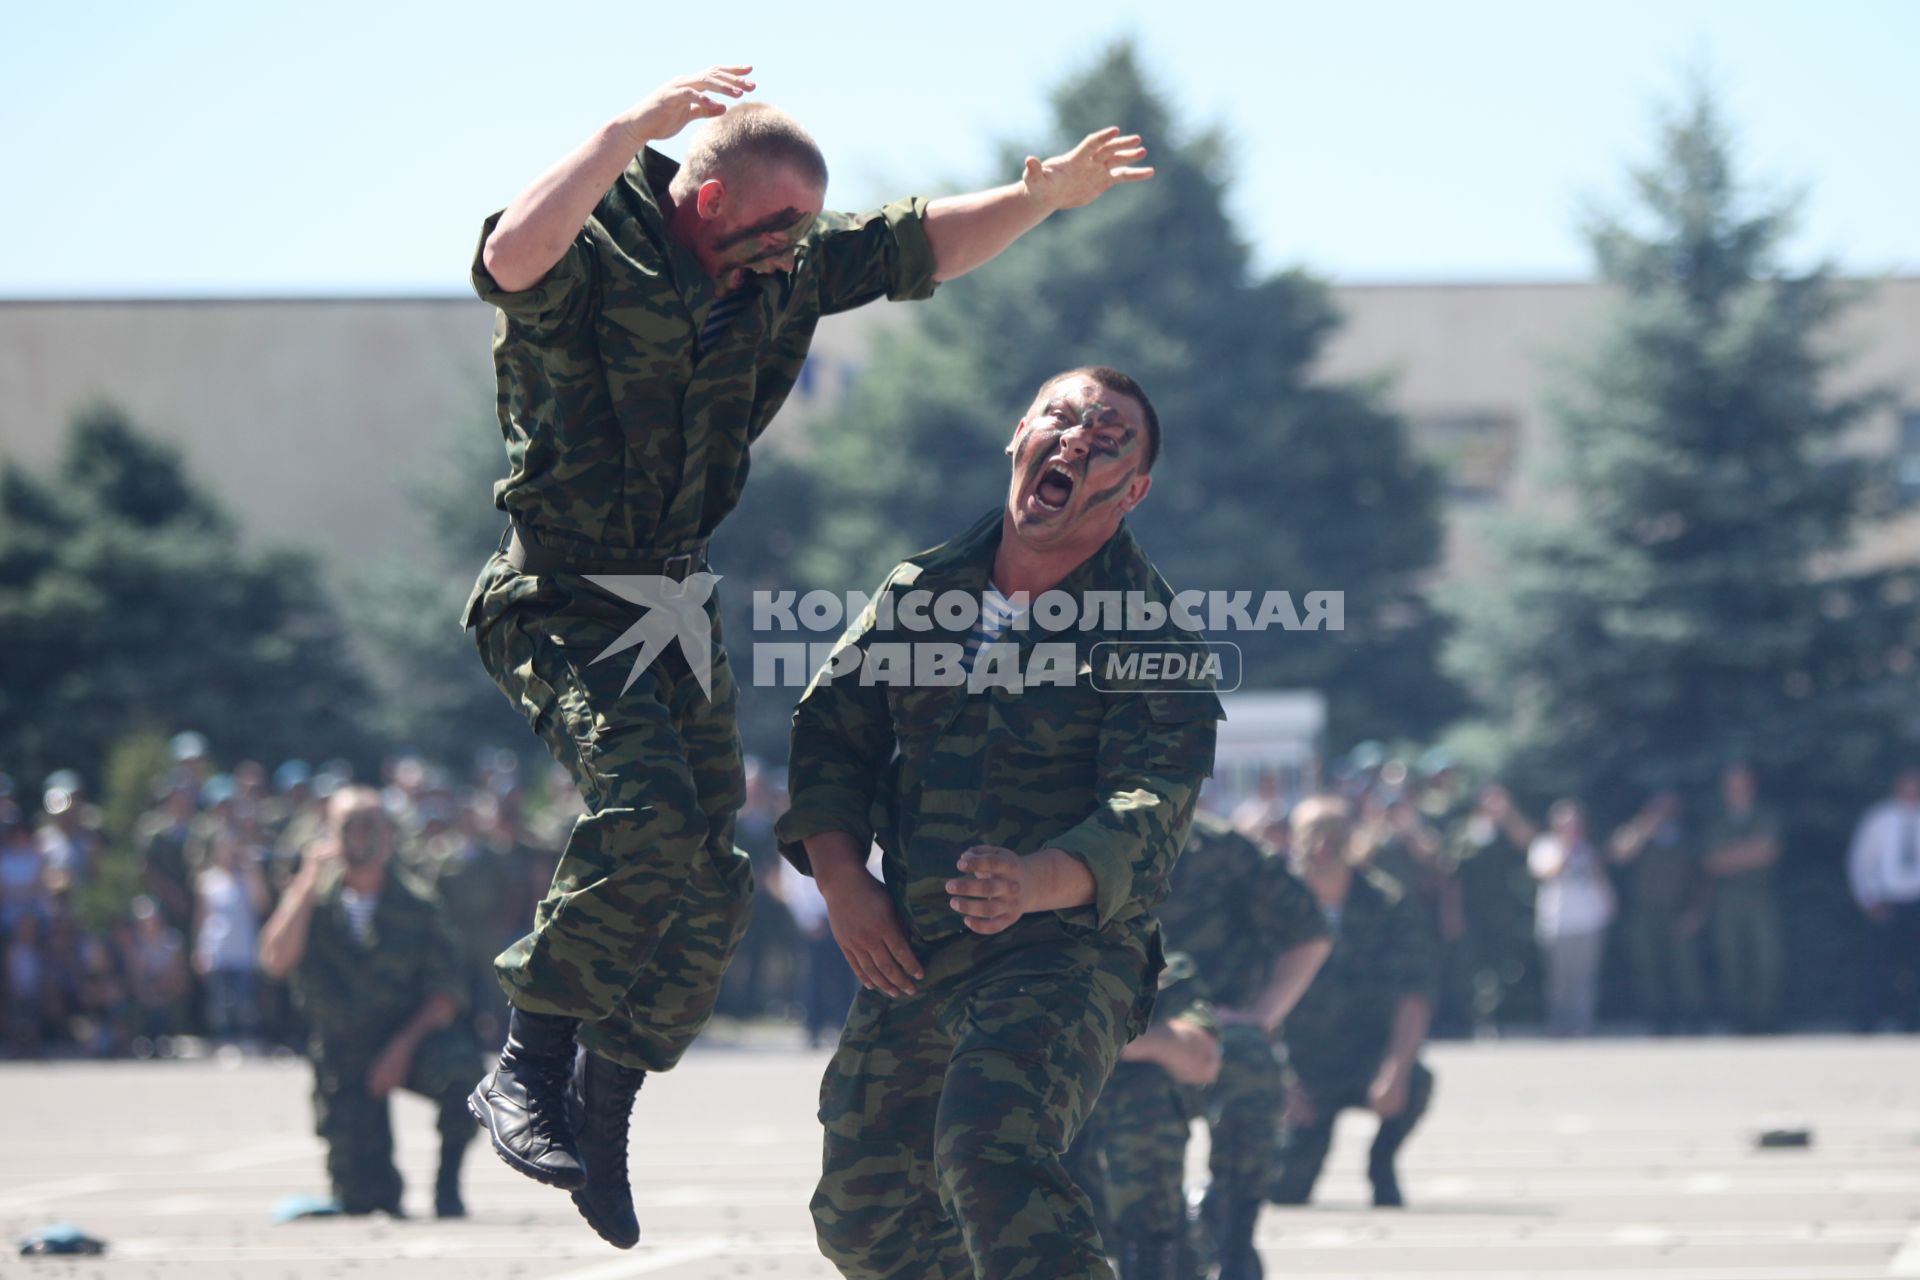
point(711, 198)
point(1136, 492)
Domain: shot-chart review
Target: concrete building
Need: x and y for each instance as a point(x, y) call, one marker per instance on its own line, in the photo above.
point(315, 418)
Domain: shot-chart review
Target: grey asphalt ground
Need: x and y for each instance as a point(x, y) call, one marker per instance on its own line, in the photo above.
point(1600, 1159)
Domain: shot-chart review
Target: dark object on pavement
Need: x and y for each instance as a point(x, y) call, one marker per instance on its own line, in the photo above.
point(60, 1239)
point(1785, 1138)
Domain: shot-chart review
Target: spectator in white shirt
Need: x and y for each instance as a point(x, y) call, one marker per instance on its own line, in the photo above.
point(1884, 868)
point(1572, 910)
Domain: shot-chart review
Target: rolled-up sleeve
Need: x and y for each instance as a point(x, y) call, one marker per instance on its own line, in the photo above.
point(838, 751)
point(558, 304)
point(859, 258)
point(1155, 751)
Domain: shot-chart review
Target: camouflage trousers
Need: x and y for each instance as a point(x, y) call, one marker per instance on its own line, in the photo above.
point(1302, 1149)
point(1243, 1110)
point(947, 1112)
point(358, 1127)
point(1131, 1157)
point(1666, 966)
point(1749, 955)
point(650, 897)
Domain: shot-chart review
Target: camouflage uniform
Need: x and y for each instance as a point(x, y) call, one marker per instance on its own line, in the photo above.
point(1749, 951)
point(1383, 950)
point(355, 997)
point(473, 880)
point(1236, 908)
point(627, 443)
point(1665, 884)
point(947, 1111)
point(1130, 1157)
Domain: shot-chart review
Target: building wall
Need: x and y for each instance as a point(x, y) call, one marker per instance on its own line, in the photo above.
point(313, 418)
point(1471, 367)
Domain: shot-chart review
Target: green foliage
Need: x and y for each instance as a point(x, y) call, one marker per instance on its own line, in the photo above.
point(135, 768)
point(1269, 478)
point(1679, 607)
point(127, 600)
point(430, 692)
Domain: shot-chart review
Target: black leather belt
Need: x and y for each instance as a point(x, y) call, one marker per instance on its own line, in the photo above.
point(527, 556)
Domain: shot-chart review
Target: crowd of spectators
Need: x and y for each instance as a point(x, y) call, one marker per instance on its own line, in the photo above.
point(172, 966)
point(1527, 908)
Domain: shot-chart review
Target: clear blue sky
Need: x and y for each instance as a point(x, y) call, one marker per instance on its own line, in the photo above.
point(352, 147)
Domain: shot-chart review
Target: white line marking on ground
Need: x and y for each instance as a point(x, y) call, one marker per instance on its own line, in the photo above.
point(640, 1266)
point(1907, 1261)
point(48, 1193)
point(258, 1154)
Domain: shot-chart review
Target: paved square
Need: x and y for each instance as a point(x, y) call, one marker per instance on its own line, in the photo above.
point(1568, 1161)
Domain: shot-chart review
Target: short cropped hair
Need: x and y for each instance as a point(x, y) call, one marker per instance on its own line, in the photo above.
point(1317, 809)
point(350, 802)
point(1121, 384)
point(753, 134)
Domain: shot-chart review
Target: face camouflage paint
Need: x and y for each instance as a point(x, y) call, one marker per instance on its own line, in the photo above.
point(747, 247)
point(1048, 480)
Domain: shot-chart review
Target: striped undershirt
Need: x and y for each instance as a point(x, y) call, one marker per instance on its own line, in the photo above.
point(359, 908)
point(726, 309)
point(997, 614)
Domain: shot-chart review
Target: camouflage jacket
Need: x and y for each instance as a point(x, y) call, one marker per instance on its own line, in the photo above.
point(1235, 907)
point(622, 432)
point(1109, 777)
point(355, 995)
point(1384, 949)
point(1184, 995)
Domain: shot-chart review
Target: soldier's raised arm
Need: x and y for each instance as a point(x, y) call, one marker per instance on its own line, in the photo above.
point(970, 230)
point(535, 230)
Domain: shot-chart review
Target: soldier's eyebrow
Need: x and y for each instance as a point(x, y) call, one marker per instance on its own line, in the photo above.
point(765, 227)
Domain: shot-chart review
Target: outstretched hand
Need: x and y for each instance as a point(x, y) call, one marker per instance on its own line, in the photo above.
point(677, 103)
point(1102, 160)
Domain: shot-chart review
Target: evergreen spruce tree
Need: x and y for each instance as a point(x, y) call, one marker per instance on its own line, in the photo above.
point(1681, 606)
point(127, 603)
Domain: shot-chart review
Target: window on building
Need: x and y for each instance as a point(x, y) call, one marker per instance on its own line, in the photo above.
point(1476, 450)
point(1906, 459)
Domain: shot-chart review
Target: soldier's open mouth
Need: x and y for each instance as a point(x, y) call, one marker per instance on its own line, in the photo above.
point(1054, 489)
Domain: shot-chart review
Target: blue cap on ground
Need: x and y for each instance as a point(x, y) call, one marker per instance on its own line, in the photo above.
point(294, 1207)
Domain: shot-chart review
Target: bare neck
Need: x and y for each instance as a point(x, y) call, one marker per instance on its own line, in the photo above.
point(1018, 567)
point(368, 880)
point(1330, 884)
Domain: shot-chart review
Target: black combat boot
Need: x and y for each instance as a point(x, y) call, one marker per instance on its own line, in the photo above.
point(1386, 1148)
point(600, 1105)
point(1154, 1256)
point(523, 1104)
point(1380, 1172)
point(446, 1191)
point(1233, 1243)
point(456, 1131)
